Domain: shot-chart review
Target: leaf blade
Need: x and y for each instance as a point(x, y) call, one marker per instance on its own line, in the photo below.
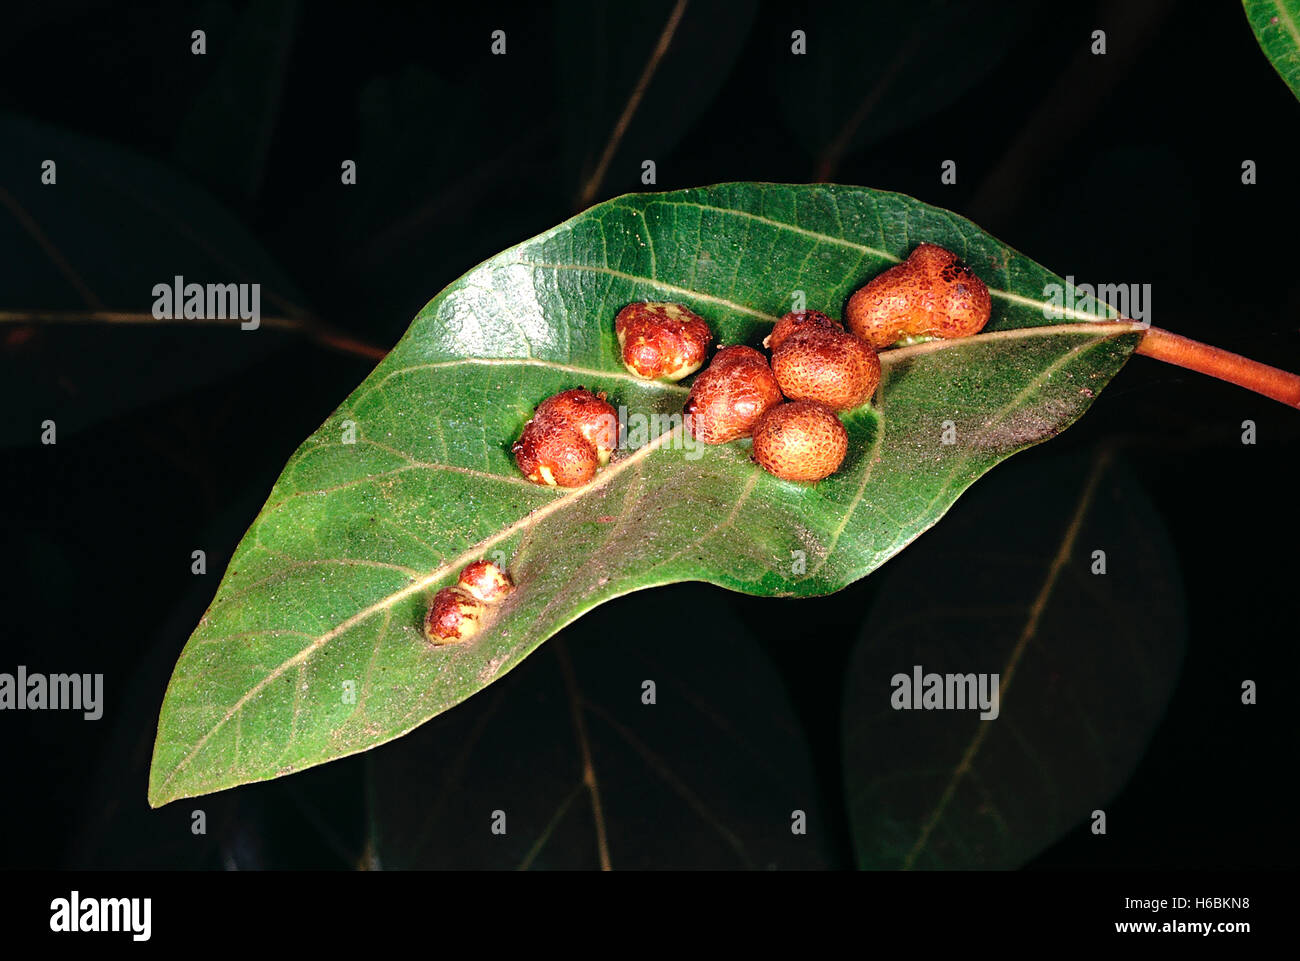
point(330, 583)
point(1276, 25)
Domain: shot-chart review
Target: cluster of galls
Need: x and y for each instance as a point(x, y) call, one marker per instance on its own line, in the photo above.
point(788, 406)
point(819, 368)
point(457, 613)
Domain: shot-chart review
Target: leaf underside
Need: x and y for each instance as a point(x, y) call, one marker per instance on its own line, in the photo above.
point(328, 589)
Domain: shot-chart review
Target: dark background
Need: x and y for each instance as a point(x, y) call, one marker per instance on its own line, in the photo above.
point(1124, 168)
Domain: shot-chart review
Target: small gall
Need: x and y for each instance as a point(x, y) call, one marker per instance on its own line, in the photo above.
point(799, 322)
point(662, 341)
point(453, 617)
point(931, 294)
point(485, 582)
point(832, 368)
point(800, 441)
point(730, 395)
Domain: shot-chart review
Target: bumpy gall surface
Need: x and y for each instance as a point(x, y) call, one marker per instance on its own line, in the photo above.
point(933, 294)
point(552, 453)
point(485, 582)
point(830, 367)
point(662, 341)
point(590, 414)
point(800, 441)
point(570, 437)
point(732, 393)
point(800, 322)
point(453, 617)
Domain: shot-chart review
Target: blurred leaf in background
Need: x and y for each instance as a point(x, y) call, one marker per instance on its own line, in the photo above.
point(657, 65)
point(1094, 659)
point(873, 69)
point(112, 226)
point(225, 137)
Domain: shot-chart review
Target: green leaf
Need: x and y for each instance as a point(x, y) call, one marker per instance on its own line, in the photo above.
point(1277, 28)
point(330, 585)
point(1086, 663)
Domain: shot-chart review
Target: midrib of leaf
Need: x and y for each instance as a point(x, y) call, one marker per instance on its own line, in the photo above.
point(473, 553)
point(890, 357)
point(1280, 48)
point(1284, 18)
point(615, 470)
point(588, 364)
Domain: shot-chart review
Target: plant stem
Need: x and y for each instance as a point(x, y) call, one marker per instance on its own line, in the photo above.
point(1278, 384)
